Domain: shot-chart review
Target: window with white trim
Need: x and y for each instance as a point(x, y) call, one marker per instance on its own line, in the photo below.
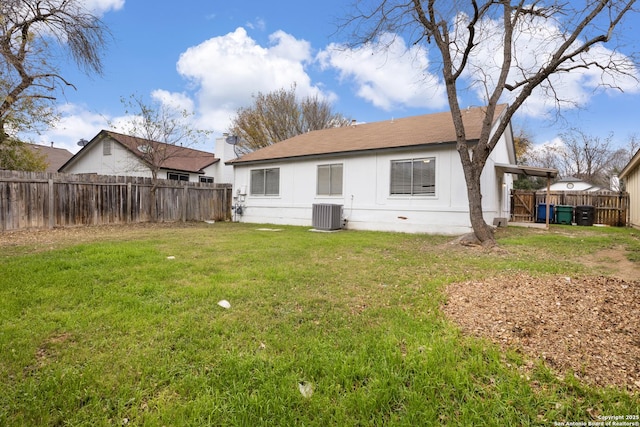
point(329, 180)
point(265, 182)
point(175, 176)
point(415, 177)
point(206, 179)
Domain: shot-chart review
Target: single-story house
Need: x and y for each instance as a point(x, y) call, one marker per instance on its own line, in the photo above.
point(631, 176)
point(570, 183)
point(401, 175)
point(54, 157)
point(112, 153)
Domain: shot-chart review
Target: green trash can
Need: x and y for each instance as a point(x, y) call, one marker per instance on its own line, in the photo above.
point(564, 214)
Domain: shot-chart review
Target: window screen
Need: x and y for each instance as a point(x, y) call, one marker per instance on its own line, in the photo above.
point(265, 182)
point(329, 180)
point(414, 176)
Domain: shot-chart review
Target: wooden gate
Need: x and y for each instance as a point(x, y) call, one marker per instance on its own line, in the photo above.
point(523, 206)
point(611, 208)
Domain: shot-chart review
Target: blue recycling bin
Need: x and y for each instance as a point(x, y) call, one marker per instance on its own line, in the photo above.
point(541, 213)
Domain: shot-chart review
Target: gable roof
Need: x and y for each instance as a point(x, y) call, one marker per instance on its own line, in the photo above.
point(55, 157)
point(414, 131)
point(633, 163)
point(178, 158)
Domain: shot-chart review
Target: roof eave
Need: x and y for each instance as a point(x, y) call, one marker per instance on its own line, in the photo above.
point(240, 162)
point(635, 161)
point(83, 150)
point(527, 170)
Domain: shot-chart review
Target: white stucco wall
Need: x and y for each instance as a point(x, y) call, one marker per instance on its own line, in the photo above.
point(120, 162)
point(366, 199)
point(496, 188)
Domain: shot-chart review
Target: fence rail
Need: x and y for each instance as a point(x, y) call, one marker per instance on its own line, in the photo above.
point(48, 200)
point(611, 208)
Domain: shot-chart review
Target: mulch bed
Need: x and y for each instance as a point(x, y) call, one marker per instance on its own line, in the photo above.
point(589, 326)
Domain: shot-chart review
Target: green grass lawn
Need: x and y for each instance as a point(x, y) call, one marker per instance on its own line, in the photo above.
point(115, 333)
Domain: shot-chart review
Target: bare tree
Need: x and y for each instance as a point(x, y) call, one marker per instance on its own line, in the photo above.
point(31, 34)
point(163, 131)
point(586, 157)
point(622, 156)
point(279, 115)
point(460, 29)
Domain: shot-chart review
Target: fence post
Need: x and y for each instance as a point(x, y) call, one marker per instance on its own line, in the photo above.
point(184, 204)
point(52, 213)
point(129, 213)
point(95, 199)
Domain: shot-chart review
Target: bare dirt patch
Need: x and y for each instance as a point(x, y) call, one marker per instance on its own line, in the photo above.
point(48, 239)
point(589, 326)
point(615, 262)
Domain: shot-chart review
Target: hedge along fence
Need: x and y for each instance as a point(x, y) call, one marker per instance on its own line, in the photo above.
point(611, 208)
point(48, 200)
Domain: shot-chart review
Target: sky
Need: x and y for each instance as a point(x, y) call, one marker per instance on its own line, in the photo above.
point(211, 57)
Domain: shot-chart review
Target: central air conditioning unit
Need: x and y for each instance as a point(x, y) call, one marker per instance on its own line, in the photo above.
point(326, 216)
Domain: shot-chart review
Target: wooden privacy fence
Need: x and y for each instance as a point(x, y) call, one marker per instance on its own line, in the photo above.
point(611, 208)
point(47, 200)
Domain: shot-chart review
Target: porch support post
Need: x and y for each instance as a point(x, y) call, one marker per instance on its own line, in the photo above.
point(547, 199)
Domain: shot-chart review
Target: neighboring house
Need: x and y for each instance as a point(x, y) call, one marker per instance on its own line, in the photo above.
point(54, 157)
point(571, 183)
point(397, 175)
point(111, 153)
point(631, 176)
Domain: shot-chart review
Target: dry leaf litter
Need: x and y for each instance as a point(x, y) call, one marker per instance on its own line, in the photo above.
point(589, 326)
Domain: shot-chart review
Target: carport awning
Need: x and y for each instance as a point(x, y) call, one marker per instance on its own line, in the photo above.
point(527, 170)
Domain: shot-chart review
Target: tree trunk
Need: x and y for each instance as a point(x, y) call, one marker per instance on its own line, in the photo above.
point(153, 201)
point(481, 229)
point(153, 195)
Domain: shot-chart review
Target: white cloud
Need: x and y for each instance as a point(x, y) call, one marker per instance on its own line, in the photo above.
point(229, 69)
point(387, 73)
point(533, 47)
point(258, 24)
point(102, 6)
point(175, 101)
point(555, 143)
point(75, 123)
